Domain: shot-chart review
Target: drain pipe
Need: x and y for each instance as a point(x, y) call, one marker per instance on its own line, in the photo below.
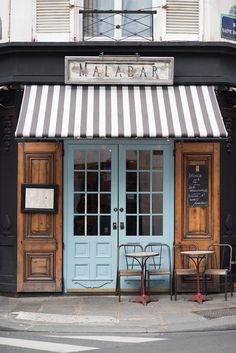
point(9, 24)
point(0, 28)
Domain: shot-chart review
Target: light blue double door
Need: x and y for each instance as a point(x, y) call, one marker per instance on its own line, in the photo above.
point(113, 194)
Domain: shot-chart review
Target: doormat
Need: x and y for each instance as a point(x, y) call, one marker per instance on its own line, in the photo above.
point(217, 313)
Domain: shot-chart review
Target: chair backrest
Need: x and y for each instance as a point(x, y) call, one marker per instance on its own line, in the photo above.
point(164, 258)
point(127, 262)
point(179, 260)
point(221, 258)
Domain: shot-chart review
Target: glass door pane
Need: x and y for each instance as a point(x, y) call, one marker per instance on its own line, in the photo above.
point(92, 193)
point(144, 192)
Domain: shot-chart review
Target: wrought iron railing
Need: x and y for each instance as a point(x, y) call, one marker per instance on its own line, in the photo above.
point(117, 25)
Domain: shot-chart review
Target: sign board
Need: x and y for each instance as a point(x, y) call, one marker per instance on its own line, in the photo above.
point(39, 198)
point(197, 186)
point(228, 27)
point(126, 70)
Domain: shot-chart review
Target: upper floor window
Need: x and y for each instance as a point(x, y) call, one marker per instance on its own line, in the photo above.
point(118, 19)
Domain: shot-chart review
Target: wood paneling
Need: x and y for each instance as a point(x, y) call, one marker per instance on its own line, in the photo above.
point(39, 234)
point(199, 225)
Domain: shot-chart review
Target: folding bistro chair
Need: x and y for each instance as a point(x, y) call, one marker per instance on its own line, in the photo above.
point(182, 265)
point(159, 265)
point(219, 264)
point(127, 267)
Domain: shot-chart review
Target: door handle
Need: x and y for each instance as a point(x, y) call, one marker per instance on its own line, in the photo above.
point(122, 225)
point(114, 225)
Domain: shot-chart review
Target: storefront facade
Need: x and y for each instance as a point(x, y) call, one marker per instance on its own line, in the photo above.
point(121, 158)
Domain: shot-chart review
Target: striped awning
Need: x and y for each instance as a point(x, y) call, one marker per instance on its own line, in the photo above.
point(65, 111)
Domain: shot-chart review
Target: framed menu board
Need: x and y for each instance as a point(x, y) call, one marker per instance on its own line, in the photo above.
point(39, 198)
point(197, 192)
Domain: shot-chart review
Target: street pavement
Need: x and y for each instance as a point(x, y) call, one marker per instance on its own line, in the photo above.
point(89, 314)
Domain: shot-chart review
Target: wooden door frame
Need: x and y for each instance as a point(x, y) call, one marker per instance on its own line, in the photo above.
point(210, 232)
point(51, 246)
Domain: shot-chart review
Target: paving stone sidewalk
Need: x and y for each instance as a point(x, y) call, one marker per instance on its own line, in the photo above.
point(104, 313)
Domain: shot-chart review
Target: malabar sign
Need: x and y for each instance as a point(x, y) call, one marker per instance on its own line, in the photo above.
point(129, 70)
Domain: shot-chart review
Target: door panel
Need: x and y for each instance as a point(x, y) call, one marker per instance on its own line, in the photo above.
point(39, 234)
point(146, 198)
point(197, 206)
point(114, 194)
point(91, 179)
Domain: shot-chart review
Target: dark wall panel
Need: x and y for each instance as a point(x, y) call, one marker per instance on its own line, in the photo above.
point(228, 186)
point(8, 190)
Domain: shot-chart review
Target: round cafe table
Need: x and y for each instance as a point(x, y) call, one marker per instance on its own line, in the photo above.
point(141, 258)
point(197, 256)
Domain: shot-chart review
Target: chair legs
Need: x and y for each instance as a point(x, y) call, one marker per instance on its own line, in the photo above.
point(170, 284)
point(118, 291)
point(226, 287)
point(175, 285)
point(171, 287)
point(232, 285)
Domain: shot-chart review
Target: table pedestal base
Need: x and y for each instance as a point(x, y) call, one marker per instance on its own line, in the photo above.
point(199, 298)
point(143, 299)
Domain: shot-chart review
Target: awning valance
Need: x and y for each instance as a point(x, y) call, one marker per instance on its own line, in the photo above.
point(65, 111)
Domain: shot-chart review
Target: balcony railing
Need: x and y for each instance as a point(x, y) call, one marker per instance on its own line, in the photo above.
point(117, 25)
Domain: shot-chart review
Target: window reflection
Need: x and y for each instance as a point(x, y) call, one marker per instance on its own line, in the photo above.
point(79, 203)
point(79, 225)
point(144, 160)
point(92, 203)
point(157, 159)
point(131, 181)
point(79, 181)
point(92, 225)
point(105, 203)
point(105, 160)
point(144, 203)
point(157, 181)
point(157, 225)
point(157, 203)
point(79, 160)
point(92, 181)
point(144, 225)
point(105, 181)
point(92, 160)
point(105, 225)
point(131, 160)
point(144, 181)
point(131, 203)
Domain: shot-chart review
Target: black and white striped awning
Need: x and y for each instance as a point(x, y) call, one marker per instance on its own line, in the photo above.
point(64, 111)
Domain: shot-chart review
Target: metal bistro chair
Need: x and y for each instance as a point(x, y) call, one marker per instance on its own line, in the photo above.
point(159, 265)
point(219, 264)
point(127, 266)
point(183, 268)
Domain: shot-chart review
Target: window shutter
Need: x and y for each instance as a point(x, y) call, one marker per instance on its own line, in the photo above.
point(182, 17)
point(52, 16)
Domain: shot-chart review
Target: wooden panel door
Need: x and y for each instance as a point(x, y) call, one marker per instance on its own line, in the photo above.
point(197, 208)
point(39, 246)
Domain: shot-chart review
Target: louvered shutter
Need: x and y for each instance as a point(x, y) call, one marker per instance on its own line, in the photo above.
point(182, 19)
point(53, 19)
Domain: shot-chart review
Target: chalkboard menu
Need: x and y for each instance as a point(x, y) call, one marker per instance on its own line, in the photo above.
point(197, 185)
